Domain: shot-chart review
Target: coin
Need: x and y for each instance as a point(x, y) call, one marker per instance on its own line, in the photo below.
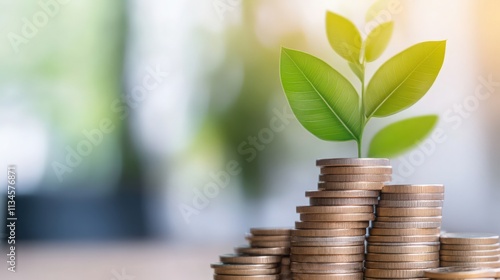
point(494, 252)
point(252, 277)
point(404, 231)
point(402, 265)
point(436, 219)
point(328, 232)
point(403, 239)
point(472, 247)
point(376, 186)
point(406, 249)
point(413, 189)
point(339, 276)
point(355, 178)
point(412, 196)
point(262, 251)
point(469, 238)
point(458, 273)
point(239, 259)
point(326, 243)
point(327, 258)
point(406, 224)
point(497, 271)
point(408, 212)
point(335, 209)
point(244, 272)
point(410, 203)
point(267, 238)
point(403, 257)
point(470, 258)
point(393, 273)
point(344, 170)
point(242, 266)
point(342, 201)
point(341, 239)
point(270, 231)
point(495, 264)
point(269, 244)
point(343, 194)
point(353, 162)
point(333, 225)
point(324, 267)
point(347, 250)
point(337, 217)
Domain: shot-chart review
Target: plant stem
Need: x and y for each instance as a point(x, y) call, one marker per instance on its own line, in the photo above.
point(362, 110)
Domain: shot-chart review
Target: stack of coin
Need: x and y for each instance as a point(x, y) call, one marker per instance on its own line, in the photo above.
point(267, 257)
point(328, 242)
point(462, 273)
point(470, 250)
point(404, 239)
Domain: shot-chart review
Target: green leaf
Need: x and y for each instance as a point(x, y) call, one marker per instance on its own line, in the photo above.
point(323, 101)
point(375, 9)
point(356, 68)
point(343, 36)
point(401, 136)
point(404, 79)
point(377, 41)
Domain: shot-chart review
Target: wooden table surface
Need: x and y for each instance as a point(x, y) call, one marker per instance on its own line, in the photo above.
point(104, 261)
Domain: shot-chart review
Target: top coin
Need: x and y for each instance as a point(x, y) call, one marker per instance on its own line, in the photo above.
point(353, 162)
point(459, 273)
point(413, 189)
point(469, 238)
point(270, 231)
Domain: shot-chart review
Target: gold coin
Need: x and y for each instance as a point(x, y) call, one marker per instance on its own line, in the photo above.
point(408, 212)
point(422, 257)
point(267, 238)
point(342, 201)
point(436, 219)
point(403, 239)
point(244, 272)
point(411, 196)
point(406, 224)
point(410, 203)
point(495, 264)
point(494, 252)
point(334, 225)
point(339, 276)
point(326, 267)
point(413, 189)
point(326, 243)
point(353, 162)
point(242, 266)
point(344, 170)
point(327, 258)
point(459, 273)
point(239, 259)
point(249, 277)
point(339, 186)
point(348, 250)
point(395, 244)
point(343, 194)
point(471, 247)
point(279, 251)
point(337, 217)
point(407, 249)
point(402, 265)
point(355, 178)
point(270, 231)
point(469, 238)
point(335, 209)
point(470, 258)
point(404, 231)
point(328, 232)
point(393, 273)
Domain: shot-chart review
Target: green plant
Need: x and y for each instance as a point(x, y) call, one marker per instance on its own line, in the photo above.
point(330, 107)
